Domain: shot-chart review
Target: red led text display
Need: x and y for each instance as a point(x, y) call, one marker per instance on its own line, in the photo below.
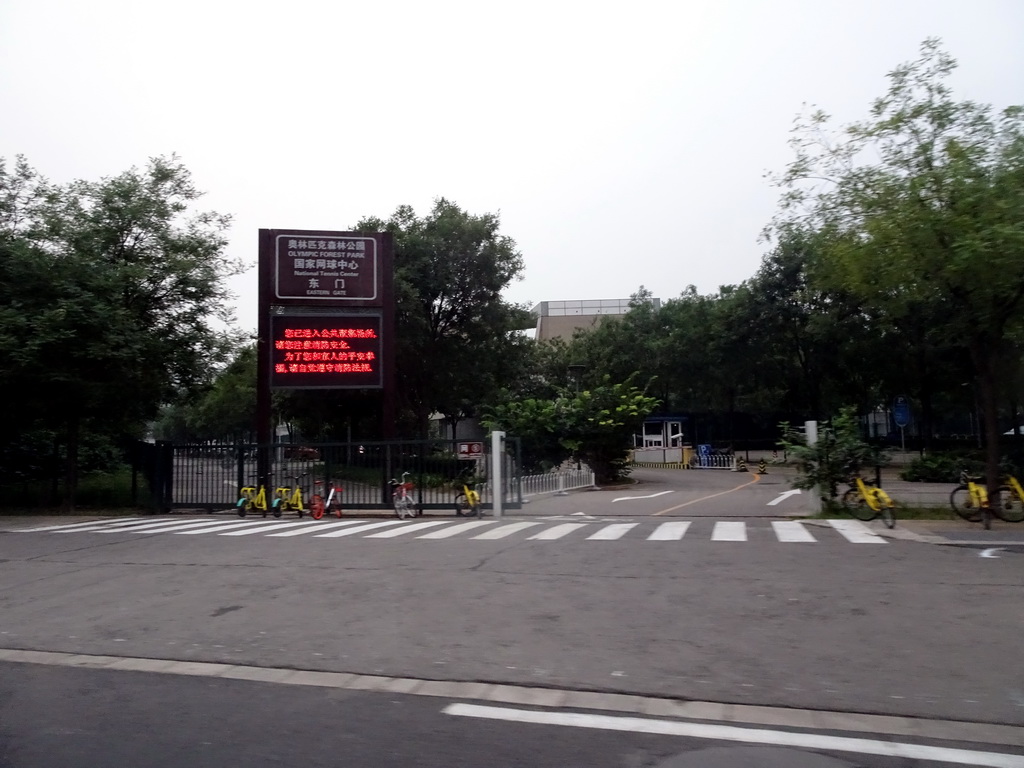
point(336, 351)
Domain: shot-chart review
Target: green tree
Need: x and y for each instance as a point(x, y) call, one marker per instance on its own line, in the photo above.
point(839, 452)
point(458, 341)
point(922, 206)
point(109, 292)
point(594, 425)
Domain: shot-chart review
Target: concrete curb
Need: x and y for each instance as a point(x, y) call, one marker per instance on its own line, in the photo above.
point(950, 730)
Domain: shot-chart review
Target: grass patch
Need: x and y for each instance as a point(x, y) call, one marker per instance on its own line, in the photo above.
point(902, 513)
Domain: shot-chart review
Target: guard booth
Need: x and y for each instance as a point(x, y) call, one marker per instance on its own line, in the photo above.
point(662, 440)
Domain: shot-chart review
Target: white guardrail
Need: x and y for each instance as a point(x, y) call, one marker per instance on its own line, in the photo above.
point(550, 482)
point(556, 482)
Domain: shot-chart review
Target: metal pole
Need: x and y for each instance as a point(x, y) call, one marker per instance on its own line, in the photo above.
point(811, 432)
point(497, 471)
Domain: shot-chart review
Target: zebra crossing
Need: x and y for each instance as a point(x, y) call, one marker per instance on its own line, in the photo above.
point(781, 531)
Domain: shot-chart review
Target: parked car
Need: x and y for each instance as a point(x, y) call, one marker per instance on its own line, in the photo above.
point(301, 452)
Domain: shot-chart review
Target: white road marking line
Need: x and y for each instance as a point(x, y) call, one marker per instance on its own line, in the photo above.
point(274, 526)
point(505, 530)
point(729, 531)
point(164, 526)
point(357, 529)
point(102, 527)
point(611, 532)
point(856, 532)
point(649, 496)
point(455, 530)
point(791, 530)
point(313, 528)
point(557, 532)
point(783, 497)
point(226, 527)
point(813, 741)
point(412, 528)
point(669, 531)
point(83, 526)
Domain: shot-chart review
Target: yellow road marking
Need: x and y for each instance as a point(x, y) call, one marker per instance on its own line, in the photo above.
point(705, 498)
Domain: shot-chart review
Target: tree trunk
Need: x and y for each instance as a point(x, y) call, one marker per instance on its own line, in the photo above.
point(984, 362)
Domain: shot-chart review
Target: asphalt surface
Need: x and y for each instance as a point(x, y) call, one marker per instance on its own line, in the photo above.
point(95, 718)
point(900, 626)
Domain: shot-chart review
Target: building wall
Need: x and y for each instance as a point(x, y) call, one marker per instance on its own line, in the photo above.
point(558, 319)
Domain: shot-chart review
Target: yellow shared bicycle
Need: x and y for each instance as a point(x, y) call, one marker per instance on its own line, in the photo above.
point(467, 501)
point(970, 500)
point(288, 498)
point(866, 501)
point(252, 500)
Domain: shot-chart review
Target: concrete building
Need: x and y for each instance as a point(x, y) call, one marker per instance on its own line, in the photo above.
point(558, 319)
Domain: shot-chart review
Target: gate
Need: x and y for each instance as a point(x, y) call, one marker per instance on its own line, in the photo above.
point(208, 475)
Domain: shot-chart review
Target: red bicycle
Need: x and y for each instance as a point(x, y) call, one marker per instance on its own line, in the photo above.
point(318, 506)
point(402, 498)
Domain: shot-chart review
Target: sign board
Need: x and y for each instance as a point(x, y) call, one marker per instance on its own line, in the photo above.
point(319, 267)
point(336, 351)
point(471, 450)
point(901, 411)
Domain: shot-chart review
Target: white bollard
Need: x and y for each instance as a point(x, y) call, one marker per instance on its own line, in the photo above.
point(497, 472)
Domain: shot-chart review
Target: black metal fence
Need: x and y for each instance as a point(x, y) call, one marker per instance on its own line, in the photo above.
point(210, 475)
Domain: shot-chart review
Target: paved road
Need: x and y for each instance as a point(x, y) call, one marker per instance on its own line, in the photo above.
point(886, 626)
point(85, 717)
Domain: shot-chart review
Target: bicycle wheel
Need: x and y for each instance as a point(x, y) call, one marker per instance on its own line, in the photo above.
point(1010, 509)
point(460, 504)
point(857, 505)
point(243, 507)
point(403, 507)
point(962, 503)
point(316, 506)
point(886, 509)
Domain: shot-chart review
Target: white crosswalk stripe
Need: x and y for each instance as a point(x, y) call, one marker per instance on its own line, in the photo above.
point(791, 531)
point(505, 530)
point(611, 532)
point(411, 528)
point(256, 524)
point(856, 532)
point(163, 527)
point(785, 531)
point(312, 528)
point(455, 530)
point(557, 532)
point(673, 531)
point(80, 526)
point(729, 531)
point(357, 529)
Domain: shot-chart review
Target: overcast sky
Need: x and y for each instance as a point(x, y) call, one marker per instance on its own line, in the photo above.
point(623, 144)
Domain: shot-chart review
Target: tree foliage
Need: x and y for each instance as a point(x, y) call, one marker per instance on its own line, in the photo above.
point(109, 293)
point(921, 209)
point(838, 453)
point(458, 340)
point(595, 425)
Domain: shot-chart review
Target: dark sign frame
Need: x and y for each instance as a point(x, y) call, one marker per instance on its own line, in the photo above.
point(363, 262)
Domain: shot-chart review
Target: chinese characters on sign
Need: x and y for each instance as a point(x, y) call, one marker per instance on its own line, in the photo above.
point(337, 351)
point(471, 450)
point(326, 267)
